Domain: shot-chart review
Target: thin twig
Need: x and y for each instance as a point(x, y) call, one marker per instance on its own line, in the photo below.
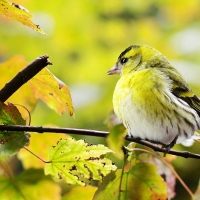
point(41, 129)
point(23, 76)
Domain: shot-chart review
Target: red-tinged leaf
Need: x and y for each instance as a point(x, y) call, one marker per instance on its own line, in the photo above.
point(23, 96)
point(9, 115)
point(52, 91)
point(11, 142)
point(163, 170)
point(19, 13)
point(141, 182)
point(85, 193)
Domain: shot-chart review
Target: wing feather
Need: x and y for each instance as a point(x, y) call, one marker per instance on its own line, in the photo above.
point(180, 88)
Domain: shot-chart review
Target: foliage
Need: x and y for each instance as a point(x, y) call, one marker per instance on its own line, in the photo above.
point(52, 91)
point(11, 142)
point(82, 53)
point(140, 181)
point(19, 13)
point(78, 162)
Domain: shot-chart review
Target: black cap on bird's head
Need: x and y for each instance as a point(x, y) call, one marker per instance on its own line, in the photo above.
point(127, 50)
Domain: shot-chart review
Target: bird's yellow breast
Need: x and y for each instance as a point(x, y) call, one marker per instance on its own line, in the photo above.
point(143, 88)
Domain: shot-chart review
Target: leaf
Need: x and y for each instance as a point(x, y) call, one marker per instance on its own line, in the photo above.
point(163, 170)
point(115, 139)
point(39, 144)
point(9, 115)
point(23, 96)
point(52, 91)
point(31, 185)
point(78, 162)
point(19, 13)
point(140, 182)
point(11, 142)
point(84, 193)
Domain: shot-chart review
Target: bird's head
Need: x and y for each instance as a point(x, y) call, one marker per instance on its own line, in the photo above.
point(135, 57)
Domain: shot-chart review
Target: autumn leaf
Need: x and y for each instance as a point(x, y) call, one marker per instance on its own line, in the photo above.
point(78, 162)
point(52, 91)
point(163, 170)
point(16, 12)
point(23, 96)
point(11, 141)
point(141, 181)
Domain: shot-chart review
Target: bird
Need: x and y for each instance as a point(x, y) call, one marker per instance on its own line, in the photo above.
point(152, 99)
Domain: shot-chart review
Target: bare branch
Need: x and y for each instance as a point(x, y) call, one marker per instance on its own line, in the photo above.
point(23, 76)
point(40, 129)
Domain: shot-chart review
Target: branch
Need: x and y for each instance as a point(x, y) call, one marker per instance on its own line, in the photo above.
point(23, 76)
point(104, 134)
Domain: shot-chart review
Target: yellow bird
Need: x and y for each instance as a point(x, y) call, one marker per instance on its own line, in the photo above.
point(152, 99)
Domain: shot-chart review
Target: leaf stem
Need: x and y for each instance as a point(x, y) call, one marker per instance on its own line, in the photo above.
point(37, 156)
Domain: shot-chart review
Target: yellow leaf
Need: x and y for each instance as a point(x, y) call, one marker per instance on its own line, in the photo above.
point(52, 91)
point(19, 13)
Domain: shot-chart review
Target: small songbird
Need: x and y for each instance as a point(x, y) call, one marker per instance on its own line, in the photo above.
point(152, 99)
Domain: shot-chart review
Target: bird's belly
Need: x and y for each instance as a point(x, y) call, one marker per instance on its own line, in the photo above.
point(153, 120)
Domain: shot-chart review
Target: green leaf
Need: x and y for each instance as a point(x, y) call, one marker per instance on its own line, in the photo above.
point(11, 142)
point(52, 91)
point(86, 193)
point(31, 185)
point(78, 162)
point(140, 182)
point(19, 13)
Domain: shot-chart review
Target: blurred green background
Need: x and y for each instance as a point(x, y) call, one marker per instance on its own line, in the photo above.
point(84, 39)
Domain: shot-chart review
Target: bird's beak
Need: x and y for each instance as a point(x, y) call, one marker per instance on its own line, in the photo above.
point(114, 70)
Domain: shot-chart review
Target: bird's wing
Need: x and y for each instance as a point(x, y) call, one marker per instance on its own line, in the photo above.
point(181, 90)
point(187, 95)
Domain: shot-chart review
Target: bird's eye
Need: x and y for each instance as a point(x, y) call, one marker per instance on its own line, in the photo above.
point(124, 60)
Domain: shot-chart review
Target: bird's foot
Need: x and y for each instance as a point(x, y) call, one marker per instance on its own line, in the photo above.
point(167, 147)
